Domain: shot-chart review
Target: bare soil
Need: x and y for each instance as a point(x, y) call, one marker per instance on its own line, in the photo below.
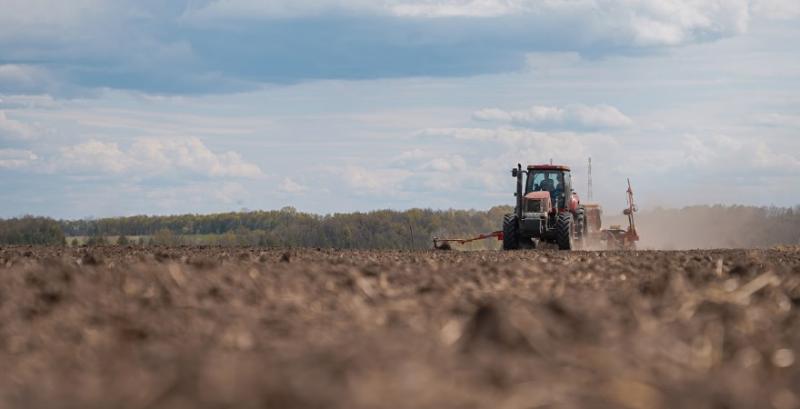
point(120, 327)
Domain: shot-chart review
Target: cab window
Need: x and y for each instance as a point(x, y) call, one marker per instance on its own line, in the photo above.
point(549, 181)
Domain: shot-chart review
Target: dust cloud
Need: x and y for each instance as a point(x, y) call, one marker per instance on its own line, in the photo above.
point(707, 227)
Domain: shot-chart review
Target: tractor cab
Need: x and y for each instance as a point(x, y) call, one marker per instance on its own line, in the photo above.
point(553, 179)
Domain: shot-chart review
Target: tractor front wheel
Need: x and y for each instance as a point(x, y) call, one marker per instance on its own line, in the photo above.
point(565, 231)
point(510, 232)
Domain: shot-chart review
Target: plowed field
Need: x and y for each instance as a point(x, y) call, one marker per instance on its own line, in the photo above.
point(187, 328)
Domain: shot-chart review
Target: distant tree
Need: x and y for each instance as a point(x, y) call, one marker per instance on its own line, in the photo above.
point(227, 239)
point(74, 242)
point(97, 241)
point(123, 241)
point(165, 237)
point(31, 230)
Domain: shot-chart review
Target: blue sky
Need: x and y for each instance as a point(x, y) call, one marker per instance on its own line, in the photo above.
point(162, 107)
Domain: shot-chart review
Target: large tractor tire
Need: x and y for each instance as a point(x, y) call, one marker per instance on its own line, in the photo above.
point(510, 232)
point(565, 231)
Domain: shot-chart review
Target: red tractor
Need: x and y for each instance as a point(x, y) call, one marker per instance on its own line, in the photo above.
point(548, 210)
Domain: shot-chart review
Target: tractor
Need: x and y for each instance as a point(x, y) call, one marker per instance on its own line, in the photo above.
point(548, 210)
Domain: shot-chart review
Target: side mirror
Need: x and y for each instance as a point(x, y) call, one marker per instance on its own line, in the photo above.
point(514, 172)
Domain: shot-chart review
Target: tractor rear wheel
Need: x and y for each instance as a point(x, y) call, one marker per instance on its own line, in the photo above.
point(565, 231)
point(510, 232)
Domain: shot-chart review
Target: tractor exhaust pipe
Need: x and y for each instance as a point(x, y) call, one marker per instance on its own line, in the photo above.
point(517, 173)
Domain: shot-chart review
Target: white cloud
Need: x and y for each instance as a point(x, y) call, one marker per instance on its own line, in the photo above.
point(364, 180)
point(277, 8)
point(15, 130)
point(599, 116)
point(778, 120)
point(445, 172)
point(430, 161)
point(636, 22)
point(777, 9)
point(79, 39)
point(413, 155)
point(534, 115)
point(149, 156)
point(23, 78)
point(192, 155)
point(43, 101)
point(95, 156)
point(290, 186)
point(461, 8)
point(721, 154)
point(171, 199)
point(550, 62)
point(553, 117)
point(15, 73)
point(446, 163)
point(47, 12)
point(702, 89)
point(16, 158)
point(677, 22)
point(526, 145)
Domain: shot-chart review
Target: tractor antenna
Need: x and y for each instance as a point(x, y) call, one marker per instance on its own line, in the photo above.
point(590, 193)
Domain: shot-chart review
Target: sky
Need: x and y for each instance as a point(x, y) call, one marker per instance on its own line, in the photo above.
point(114, 108)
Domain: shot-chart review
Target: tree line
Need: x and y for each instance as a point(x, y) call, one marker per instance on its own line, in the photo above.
point(689, 227)
point(380, 229)
point(31, 230)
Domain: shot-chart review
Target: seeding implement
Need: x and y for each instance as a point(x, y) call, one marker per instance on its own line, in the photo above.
point(444, 244)
point(615, 237)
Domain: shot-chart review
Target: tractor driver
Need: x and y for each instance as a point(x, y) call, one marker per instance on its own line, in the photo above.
point(549, 185)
